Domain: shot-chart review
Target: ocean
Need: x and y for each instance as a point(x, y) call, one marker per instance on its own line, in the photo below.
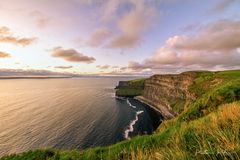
point(70, 113)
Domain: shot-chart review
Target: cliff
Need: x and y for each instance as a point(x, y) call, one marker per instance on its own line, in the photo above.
point(133, 84)
point(130, 88)
point(169, 93)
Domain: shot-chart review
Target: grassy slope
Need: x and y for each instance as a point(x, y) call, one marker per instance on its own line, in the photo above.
point(131, 92)
point(208, 128)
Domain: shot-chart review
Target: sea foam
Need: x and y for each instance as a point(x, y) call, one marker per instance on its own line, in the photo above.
point(128, 102)
point(132, 123)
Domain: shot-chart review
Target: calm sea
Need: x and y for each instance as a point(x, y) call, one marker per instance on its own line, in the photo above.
point(73, 113)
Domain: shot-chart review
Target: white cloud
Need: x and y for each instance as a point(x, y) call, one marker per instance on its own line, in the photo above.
point(132, 25)
point(215, 46)
point(7, 37)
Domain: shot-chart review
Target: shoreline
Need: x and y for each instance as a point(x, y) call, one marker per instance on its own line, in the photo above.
point(163, 111)
point(156, 116)
point(146, 103)
point(6, 78)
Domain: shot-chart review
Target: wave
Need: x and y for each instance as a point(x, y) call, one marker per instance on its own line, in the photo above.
point(132, 123)
point(113, 95)
point(128, 102)
point(120, 98)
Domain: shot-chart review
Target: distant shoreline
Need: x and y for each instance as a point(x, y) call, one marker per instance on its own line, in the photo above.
point(2, 78)
point(63, 77)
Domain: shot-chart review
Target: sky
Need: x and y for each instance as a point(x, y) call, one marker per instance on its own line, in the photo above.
point(118, 37)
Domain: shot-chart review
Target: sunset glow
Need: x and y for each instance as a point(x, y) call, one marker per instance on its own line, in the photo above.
point(140, 37)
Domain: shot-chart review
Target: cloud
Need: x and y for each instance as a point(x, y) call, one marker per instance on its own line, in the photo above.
point(129, 20)
point(71, 55)
point(109, 10)
point(138, 66)
point(41, 19)
point(214, 46)
point(132, 25)
point(4, 55)
point(63, 67)
point(99, 37)
point(133, 68)
point(107, 67)
point(127, 73)
point(222, 5)
point(114, 67)
point(7, 37)
point(221, 36)
point(103, 66)
point(4, 30)
point(17, 41)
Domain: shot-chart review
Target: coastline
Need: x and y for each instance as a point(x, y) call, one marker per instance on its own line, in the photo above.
point(135, 89)
point(154, 113)
point(163, 111)
point(6, 78)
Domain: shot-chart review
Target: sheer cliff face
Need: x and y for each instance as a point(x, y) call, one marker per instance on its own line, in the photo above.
point(169, 93)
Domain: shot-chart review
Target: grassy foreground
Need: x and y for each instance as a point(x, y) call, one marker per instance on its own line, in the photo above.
point(208, 128)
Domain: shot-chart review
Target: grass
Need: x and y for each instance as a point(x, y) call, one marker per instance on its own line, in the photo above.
point(139, 81)
point(215, 136)
point(129, 92)
point(213, 89)
point(177, 104)
point(208, 128)
point(135, 88)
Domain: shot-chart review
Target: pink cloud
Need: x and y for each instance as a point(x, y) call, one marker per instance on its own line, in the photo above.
point(7, 37)
point(4, 55)
point(71, 55)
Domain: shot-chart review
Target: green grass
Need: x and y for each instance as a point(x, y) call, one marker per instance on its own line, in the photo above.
point(140, 81)
point(177, 104)
point(135, 88)
point(129, 92)
point(213, 89)
point(208, 128)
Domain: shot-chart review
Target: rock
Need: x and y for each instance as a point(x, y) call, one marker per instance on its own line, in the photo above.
point(160, 91)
